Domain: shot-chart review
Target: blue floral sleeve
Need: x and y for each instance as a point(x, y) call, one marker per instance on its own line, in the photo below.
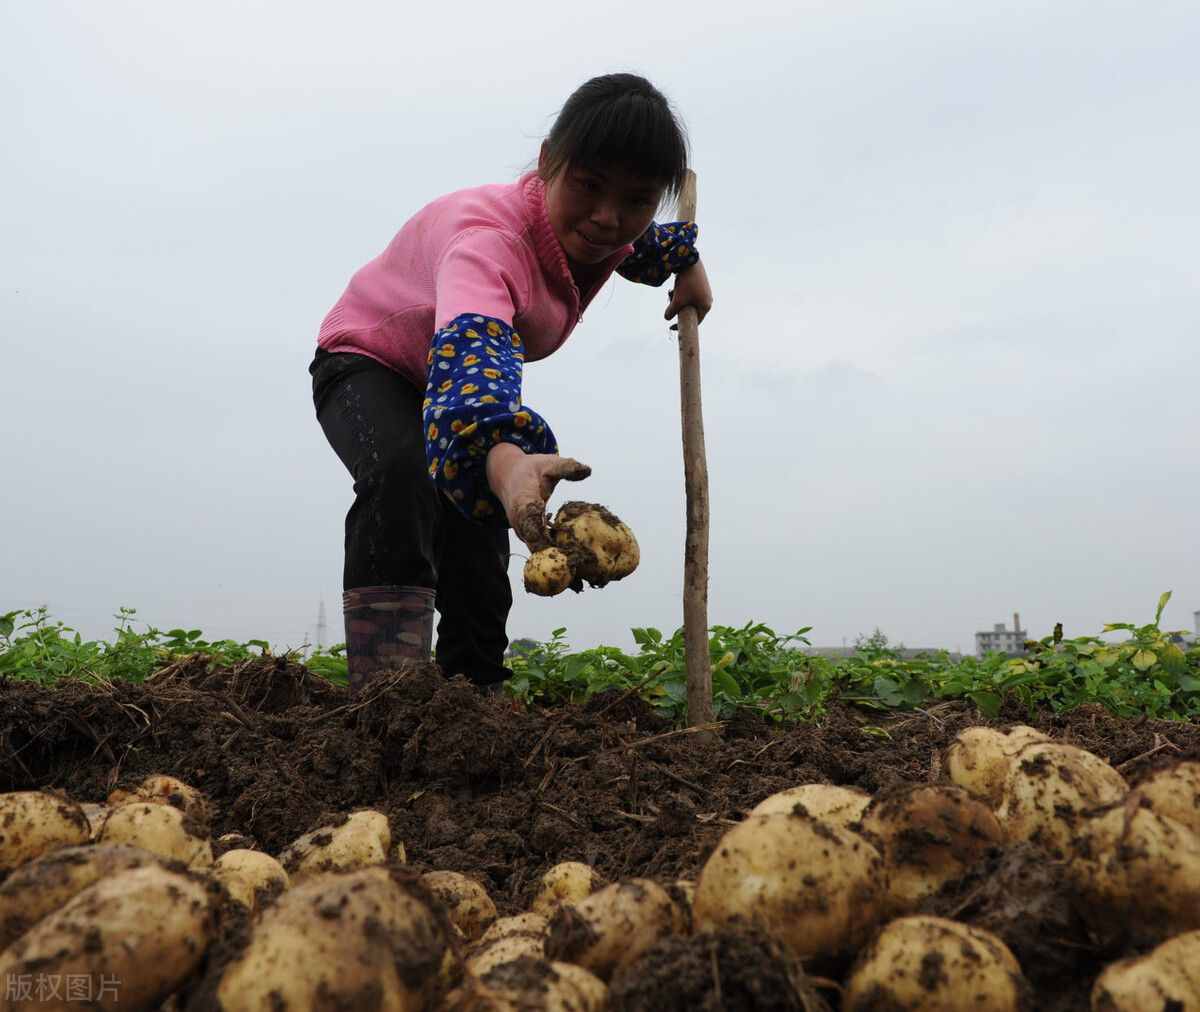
point(662, 250)
point(472, 402)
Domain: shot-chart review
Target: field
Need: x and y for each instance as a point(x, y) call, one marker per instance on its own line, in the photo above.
point(504, 788)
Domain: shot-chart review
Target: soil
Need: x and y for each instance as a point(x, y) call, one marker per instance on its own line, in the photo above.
point(478, 784)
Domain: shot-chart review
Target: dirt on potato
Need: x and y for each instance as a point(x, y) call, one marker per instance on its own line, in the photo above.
point(484, 787)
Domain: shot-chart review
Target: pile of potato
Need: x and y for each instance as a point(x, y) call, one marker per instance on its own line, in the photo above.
point(125, 898)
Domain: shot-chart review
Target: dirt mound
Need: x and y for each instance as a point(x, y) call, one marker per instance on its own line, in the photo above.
point(727, 971)
point(480, 785)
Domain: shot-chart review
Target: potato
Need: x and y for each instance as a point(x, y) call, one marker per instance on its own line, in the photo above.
point(360, 939)
point(361, 841)
point(930, 964)
point(504, 950)
point(532, 985)
point(137, 935)
point(816, 889)
point(1048, 789)
point(1167, 978)
point(547, 572)
point(41, 886)
point(520, 924)
point(1139, 871)
point(1175, 793)
point(599, 547)
point(930, 835)
point(251, 877)
point(979, 758)
point(470, 908)
point(34, 822)
point(160, 789)
point(160, 829)
point(567, 882)
point(613, 927)
point(836, 806)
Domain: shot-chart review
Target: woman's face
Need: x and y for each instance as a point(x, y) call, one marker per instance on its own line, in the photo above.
point(595, 211)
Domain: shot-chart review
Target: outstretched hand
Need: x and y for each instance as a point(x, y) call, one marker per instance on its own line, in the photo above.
point(524, 482)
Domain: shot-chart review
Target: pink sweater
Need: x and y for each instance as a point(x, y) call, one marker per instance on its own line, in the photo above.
point(488, 250)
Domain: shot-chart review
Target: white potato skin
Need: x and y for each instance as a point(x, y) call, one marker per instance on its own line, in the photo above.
point(614, 551)
point(816, 889)
point(1139, 871)
point(34, 822)
point(979, 758)
point(335, 941)
point(361, 841)
point(1049, 788)
point(470, 908)
point(930, 835)
point(160, 829)
point(838, 806)
point(931, 964)
point(1175, 793)
point(41, 886)
point(566, 882)
point(161, 789)
point(504, 950)
point(536, 985)
point(250, 876)
point(519, 924)
point(613, 926)
point(547, 572)
point(1168, 977)
point(146, 929)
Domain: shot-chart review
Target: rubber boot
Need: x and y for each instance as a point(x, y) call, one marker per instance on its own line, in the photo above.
point(384, 626)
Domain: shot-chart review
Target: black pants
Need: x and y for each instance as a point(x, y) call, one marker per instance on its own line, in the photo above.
point(400, 530)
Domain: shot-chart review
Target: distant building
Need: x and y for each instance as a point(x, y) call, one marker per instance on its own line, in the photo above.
point(1002, 640)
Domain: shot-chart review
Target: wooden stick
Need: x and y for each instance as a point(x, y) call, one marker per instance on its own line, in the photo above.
point(695, 481)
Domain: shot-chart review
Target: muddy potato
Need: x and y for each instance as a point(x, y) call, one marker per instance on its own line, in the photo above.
point(250, 877)
point(1049, 788)
point(1167, 978)
point(598, 545)
point(160, 829)
point(518, 924)
point(470, 908)
point(979, 758)
point(566, 882)
point(1175, 793)
point(614, 926)
point(531, 985)
point(145, 928)
point(361, 841)
point(160, 789)
point(816, 889)
point(34, 822)
point(838, 806)
point(1139, 872)
point(43, 885)
point(347, 940)
point(930, 835)
point(547, 572)
point(930, 964)
point(487, 956)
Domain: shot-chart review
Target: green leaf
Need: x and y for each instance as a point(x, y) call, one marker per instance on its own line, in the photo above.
point(1189, 683)
point(1144, 660)
point(648, 636)
point(1162, 603)
point(724, 682)
point(988, 702)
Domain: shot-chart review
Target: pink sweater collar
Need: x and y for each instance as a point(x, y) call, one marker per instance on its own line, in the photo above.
point(545, 242)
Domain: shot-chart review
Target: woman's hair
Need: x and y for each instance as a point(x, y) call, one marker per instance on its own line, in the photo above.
point(619, 119)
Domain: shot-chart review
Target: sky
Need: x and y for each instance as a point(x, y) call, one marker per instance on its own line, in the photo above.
point(952, 370)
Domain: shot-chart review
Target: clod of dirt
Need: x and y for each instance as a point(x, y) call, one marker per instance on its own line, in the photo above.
point(1025, 899)
point(726, 971)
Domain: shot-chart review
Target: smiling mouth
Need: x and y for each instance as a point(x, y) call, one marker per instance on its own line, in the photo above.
point(592, 242)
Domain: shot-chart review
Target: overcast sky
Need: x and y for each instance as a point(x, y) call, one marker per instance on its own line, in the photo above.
point(952, 371)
